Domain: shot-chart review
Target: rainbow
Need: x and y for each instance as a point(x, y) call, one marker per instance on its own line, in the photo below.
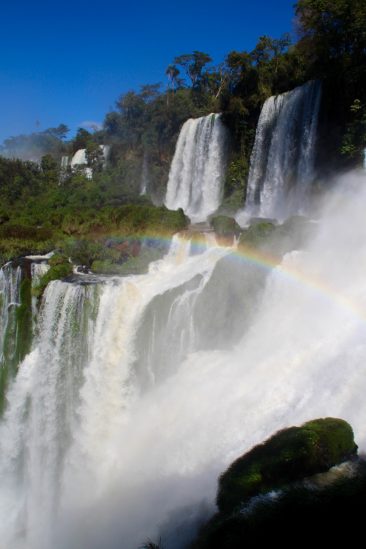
point(264, 260)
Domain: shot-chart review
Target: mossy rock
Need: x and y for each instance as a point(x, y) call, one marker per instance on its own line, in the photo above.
point(330, 513)
point(257, 233)
point(289, 455)
point(60, 268)
point(132, 265)
point(225, 226)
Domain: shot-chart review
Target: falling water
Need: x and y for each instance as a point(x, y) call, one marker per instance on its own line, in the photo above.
point(140, 390)
point(198, 167)
point(282, 165)
point(64, 162)
point(144, 176)
point(16, 281)
point(10, 279)
point(80, 161)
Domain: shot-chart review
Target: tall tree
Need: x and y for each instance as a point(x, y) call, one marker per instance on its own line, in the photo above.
point(193, 64)
point(172, 73)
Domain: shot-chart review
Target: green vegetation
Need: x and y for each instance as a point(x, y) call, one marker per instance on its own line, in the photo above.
point(131, 265)
point(257, 233)
point(81, 234)
point(225, 226)
point(276, 239)
point(60, 267)
point(23, 315)
point(43, 205)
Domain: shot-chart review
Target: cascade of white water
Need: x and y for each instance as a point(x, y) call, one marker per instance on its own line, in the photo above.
point(41, 415)
point(80, 161)
point(79, 383)
point(107, 441)
point(198, 167)
point(283, 157)
point(64, 162)
point(10, 279)
point(37, 271)
point(144, 176)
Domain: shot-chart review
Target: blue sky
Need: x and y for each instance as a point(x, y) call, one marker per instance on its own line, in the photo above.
point(67, 62)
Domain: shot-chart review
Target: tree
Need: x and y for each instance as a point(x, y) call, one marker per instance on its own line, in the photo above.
point(149, 92)
point(81, 140)
point(131, 105)
point(50, 170)
point(333, 29)
point(172, 73)
point(354, 139)
point(94, 156)
point(193, 64)
point(60, 132)
point(269, 48)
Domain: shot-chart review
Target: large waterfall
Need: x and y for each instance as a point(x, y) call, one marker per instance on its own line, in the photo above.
point(139, 390)
point(282, 165)
point(197, 172)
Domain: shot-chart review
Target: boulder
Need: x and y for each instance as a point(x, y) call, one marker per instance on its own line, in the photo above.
point(289, 455)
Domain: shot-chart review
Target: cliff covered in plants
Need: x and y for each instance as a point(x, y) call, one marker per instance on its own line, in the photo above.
point(142, 131)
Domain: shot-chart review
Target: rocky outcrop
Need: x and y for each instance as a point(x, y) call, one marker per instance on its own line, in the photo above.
point(272, 494)
point(289, 455)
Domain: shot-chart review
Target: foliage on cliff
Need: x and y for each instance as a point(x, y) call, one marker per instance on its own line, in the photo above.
point(143, 128)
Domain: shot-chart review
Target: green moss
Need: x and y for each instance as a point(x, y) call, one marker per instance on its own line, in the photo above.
point(232, 203)
point(256, 234)
point(133, 265)
point(225, 226)
point(60, 268)
point(24, 320)
point(289, 455)
point(236, 177)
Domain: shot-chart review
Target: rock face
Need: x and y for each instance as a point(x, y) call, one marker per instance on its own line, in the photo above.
point(283, 489)
point(289, 455)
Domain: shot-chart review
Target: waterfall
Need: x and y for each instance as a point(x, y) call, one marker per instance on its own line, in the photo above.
point(80, 161)
point(15, 319)
point(283, 158)
point(42, 411)
point(18, 313)
point(197, 172)
point(64, 162)
point(144, 176)
point(140, 390)
point(75, 390)
point(10, 279)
